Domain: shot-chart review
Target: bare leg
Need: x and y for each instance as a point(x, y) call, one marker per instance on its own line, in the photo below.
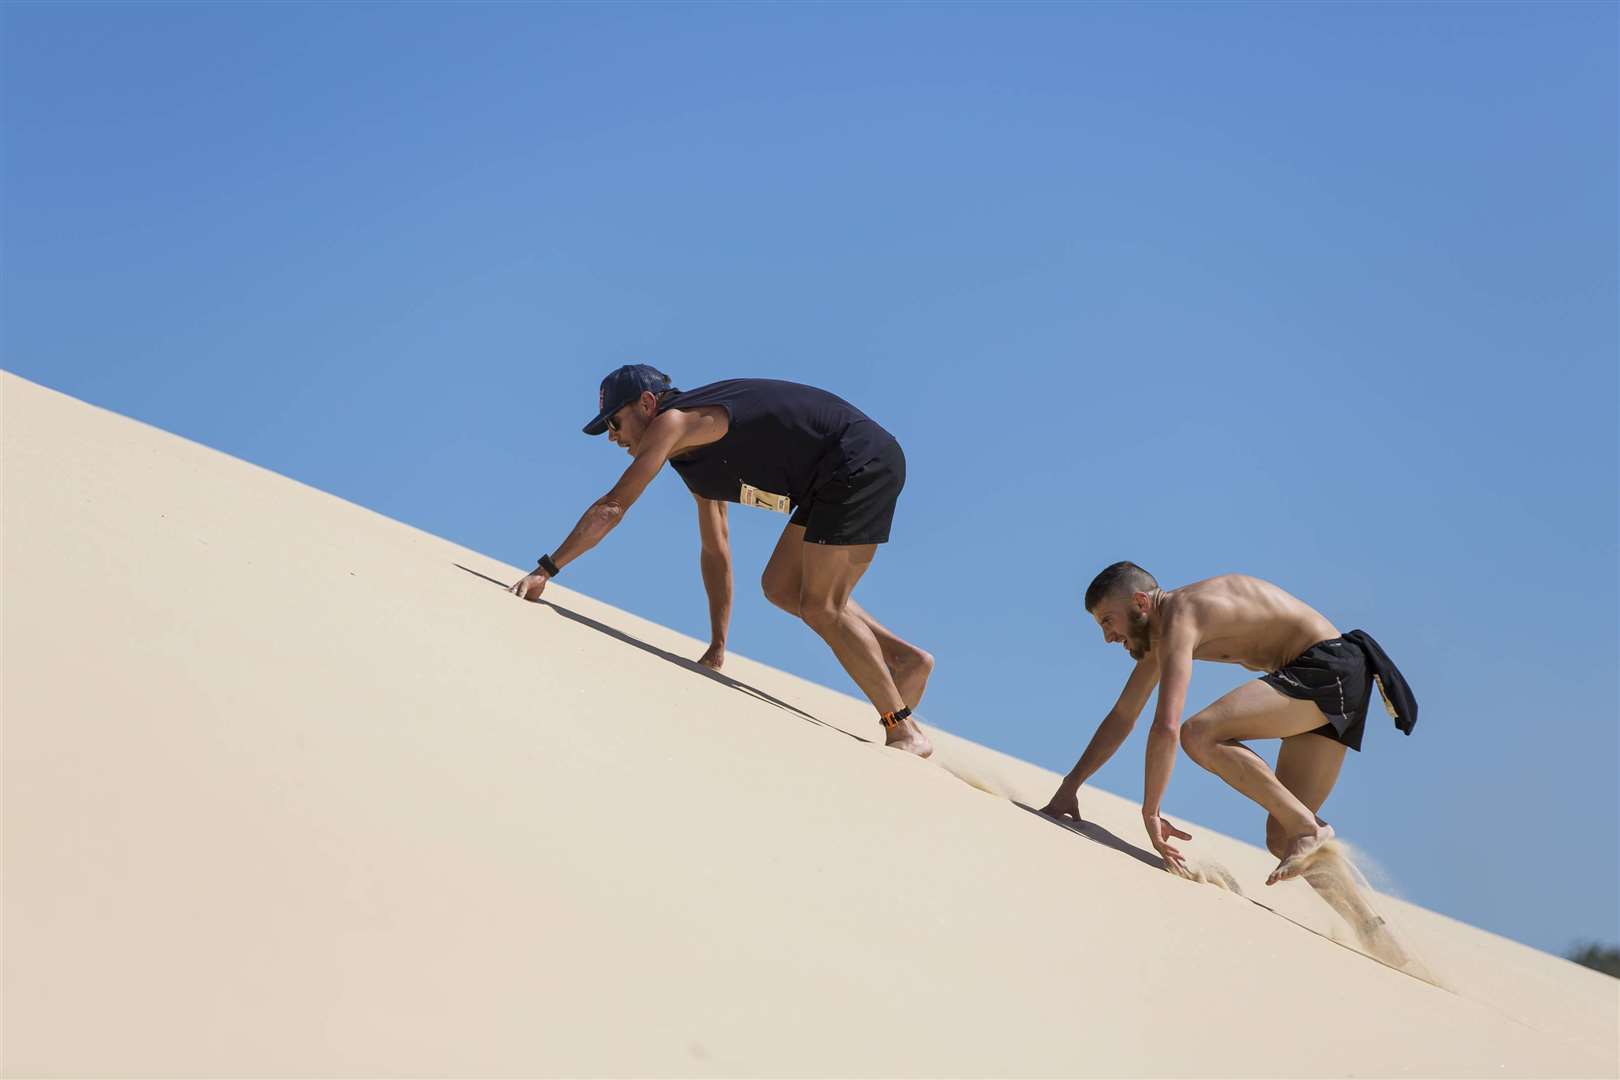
point(1256, 711)
point(909, 665)
point(830, 574)
point(1308, 765)
point(783, 583)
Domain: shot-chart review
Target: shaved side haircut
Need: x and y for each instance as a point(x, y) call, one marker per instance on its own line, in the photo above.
point(1121, 579)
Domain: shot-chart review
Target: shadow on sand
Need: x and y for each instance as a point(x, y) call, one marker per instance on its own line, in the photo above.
point(1090, 830)
point(1099, 835)
point(673, 658)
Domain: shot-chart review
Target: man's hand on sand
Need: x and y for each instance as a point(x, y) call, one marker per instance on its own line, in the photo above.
point(531, 587)
point(1160, 832)
point(715, 657)
point(1064, 804)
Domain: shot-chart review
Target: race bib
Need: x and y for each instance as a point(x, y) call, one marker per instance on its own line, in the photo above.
point(765, 500)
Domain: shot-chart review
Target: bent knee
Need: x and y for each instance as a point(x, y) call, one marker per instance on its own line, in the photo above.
point(783, 594)
point(1197, 736)
point(820, 617)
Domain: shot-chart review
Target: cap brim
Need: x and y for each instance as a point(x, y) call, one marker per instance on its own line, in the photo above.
point(597, 426)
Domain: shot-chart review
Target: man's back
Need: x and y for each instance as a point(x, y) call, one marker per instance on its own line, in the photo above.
point(781, 437)
point(1248, 621)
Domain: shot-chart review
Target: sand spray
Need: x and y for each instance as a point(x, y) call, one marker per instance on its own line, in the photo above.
point(1330, 870)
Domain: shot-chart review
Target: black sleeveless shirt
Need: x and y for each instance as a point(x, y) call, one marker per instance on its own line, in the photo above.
point(784, 438)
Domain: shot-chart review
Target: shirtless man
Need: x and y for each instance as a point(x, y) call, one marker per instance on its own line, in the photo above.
point(784, 447)
point(1315, 675)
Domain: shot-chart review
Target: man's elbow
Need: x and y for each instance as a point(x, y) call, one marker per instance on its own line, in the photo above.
point(606, 513)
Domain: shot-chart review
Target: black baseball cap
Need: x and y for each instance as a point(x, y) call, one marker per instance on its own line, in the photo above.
point(621, 387)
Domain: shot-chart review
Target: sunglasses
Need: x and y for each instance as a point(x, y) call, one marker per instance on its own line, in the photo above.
point(612, 421)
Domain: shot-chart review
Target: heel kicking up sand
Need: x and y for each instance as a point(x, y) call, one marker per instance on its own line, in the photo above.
point(1299, 854)
point(1327, 869)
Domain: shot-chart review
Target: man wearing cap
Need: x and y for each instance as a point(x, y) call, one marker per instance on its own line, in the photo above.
point(783, 447)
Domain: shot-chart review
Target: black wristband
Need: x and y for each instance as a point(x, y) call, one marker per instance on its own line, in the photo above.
point(548, 566)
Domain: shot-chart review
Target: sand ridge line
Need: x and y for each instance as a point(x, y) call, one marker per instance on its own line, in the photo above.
point(437, 872)
point(1329, 870)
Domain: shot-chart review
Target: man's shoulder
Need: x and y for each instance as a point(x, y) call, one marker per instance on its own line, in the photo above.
point(1222, 589)
point(1191, 607)
point(1216, 584)
point(1217, 602)
point(690, 426)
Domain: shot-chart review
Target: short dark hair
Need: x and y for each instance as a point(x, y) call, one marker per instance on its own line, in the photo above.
point(1122, 577)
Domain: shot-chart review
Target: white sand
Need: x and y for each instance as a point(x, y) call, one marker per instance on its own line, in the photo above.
point(288, 793)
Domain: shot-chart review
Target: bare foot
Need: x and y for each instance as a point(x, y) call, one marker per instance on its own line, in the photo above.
point(1297, 851)
point(911, 676)
point(907, 736)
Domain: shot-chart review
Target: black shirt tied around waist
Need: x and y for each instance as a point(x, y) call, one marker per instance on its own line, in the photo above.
point(1398, 699)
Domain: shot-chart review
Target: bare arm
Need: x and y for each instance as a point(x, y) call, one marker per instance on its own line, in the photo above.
point(1110, 734)
point(662, 439)
point(715, 562)
point(1175, 650)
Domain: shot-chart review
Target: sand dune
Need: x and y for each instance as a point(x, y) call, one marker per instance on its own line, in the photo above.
point(292, 789)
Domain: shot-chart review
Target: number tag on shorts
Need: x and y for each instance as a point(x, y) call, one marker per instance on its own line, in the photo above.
point(765, 500)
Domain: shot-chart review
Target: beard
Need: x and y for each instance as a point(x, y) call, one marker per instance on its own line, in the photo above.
point(1138, 636)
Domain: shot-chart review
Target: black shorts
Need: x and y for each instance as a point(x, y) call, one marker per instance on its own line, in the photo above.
point(1334, 675)
point(856, 504)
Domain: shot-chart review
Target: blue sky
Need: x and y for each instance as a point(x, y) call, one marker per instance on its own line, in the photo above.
point(1322, 293)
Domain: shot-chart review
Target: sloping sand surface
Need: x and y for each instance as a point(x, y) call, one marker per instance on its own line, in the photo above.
point(291, 789)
